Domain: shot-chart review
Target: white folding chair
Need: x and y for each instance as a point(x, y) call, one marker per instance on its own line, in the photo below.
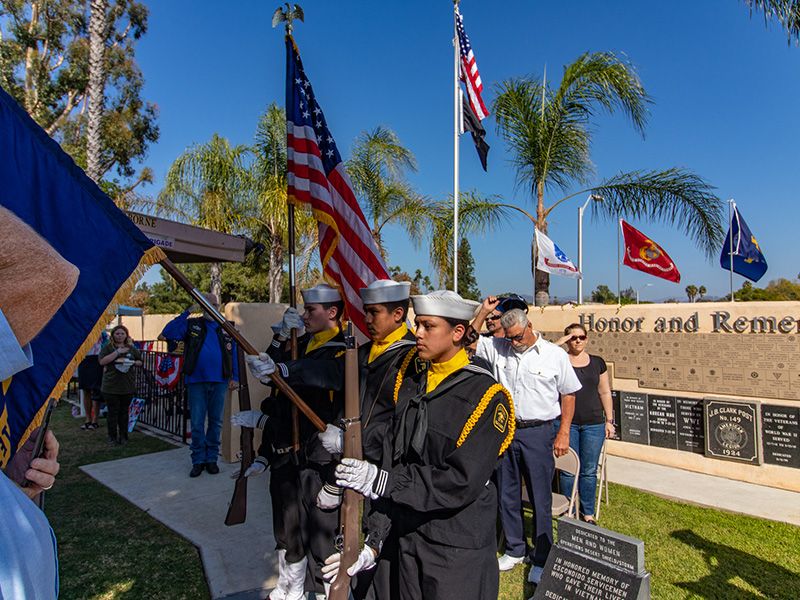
point(602, 476)
point(562, 504)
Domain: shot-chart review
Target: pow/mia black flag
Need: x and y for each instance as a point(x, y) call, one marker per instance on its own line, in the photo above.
point(473, 125)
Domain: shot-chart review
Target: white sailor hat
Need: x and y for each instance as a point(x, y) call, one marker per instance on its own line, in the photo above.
point(444, 303)
point(321, 294)
point(382, 291)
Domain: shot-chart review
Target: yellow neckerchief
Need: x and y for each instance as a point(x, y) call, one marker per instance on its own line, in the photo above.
point(438, 371)
point(321, 338)
point(379, 348)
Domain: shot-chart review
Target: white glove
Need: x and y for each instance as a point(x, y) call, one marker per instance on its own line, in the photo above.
point(254, 419)
point(332, 439)
point(261, 366)
point(358, 475)
point(329, 497)
point(257, 468)
point(291, 320)
point(364, 562)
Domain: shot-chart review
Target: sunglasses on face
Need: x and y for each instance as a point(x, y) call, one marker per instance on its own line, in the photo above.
point(576, 338)
point(493, 318)
point(515, 338)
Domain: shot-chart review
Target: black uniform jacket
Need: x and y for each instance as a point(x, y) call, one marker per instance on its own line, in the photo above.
point(438, 463)
point(376, 387)
point(327, 404)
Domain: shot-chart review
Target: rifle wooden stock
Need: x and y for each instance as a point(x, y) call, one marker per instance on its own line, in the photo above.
point(350, 512)
point(237, 509)
point(279, 381)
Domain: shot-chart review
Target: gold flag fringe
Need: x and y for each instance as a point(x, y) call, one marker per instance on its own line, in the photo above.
point(151, 257)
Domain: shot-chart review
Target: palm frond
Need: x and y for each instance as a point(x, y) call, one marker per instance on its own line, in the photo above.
point(676, 197)
point(786, 12)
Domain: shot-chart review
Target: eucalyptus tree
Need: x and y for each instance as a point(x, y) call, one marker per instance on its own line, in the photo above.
point(377, 170)
point(548, 132)
point(45, 56)
point(477, 216)
point(208, 185)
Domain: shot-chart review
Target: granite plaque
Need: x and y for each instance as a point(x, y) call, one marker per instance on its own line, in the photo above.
point(618, 550)
point(662, 421)
point(577, 565)
point(732, 430)
point(633, 417)
point(780, 435)
point(615, 406)
point(691, 437)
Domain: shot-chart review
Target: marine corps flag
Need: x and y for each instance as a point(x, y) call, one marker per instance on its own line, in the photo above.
point(643, 254)
point(43, 188)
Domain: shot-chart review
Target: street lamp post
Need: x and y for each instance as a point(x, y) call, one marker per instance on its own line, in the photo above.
point(637, 291)
point(581, 210)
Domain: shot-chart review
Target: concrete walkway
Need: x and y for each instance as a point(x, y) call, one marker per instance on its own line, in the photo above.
point(240, 563)
point(706, 490)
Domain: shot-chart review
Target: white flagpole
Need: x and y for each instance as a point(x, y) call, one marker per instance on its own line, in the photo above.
point(731, 206)
point(456, 127)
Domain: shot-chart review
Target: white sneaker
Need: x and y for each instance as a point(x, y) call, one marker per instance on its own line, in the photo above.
point(506, 562)
point(535, 575)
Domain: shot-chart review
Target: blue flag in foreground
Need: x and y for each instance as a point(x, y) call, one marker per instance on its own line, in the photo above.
point(748, 261)
point(42, 186)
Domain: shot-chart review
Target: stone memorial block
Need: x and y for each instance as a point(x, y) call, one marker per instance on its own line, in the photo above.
point(732, 430)
point(662, 421)
point(691, 436)
point(615, 404)
point(780, 435)
point(633, 417)
point(591, 562)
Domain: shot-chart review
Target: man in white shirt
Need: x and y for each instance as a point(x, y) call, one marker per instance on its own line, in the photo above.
point(537, 373)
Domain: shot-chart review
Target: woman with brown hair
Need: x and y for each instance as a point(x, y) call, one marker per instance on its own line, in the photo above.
point(593, 421)
point(119, 381)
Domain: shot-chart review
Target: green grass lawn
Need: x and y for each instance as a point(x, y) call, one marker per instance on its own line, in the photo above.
point(107, 547)
point(694, 552)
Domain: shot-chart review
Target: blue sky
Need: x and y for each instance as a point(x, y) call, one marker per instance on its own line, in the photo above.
point(725, 89)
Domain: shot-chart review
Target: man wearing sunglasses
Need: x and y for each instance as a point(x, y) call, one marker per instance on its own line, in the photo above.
point(505, 303)
point(538, 374)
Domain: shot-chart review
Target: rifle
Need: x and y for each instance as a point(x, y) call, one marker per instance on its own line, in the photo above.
point(237, 509)
point(350, 514)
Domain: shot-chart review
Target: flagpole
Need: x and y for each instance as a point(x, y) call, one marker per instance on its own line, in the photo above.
point(731, 205)
point(456, 108)
point(619, 263)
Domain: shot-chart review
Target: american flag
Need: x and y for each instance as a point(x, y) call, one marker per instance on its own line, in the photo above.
point(469, 71)
point(317, 178)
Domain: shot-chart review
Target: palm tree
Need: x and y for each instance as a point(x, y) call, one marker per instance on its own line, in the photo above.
point(787, 13)
point(691, 292)
point(549, 135)
point(207, 186)
point(702, 291)
point(477, 215)
point(98, 23)
point(377, 170)
point(268, 216)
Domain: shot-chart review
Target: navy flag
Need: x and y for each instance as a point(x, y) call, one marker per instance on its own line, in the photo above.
point(42, 186)
point(748, 260)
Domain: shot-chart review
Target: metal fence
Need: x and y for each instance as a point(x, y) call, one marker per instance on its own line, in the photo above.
point(165, 408)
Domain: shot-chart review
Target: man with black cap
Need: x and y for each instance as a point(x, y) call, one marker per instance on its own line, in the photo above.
point(506, 303)
point(452, 421)
point(303, 528)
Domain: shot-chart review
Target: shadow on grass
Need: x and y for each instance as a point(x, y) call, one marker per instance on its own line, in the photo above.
point(729, 566)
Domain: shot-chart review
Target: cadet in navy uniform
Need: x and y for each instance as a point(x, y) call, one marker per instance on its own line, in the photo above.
point(307, 530)
point(452, 421)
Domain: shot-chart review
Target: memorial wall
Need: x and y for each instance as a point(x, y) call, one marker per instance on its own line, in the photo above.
point(710, 387)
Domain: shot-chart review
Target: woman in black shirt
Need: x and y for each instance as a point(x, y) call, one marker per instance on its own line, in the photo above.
point(593, 421)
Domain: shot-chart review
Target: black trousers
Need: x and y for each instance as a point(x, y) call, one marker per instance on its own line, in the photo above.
point(426, 570)
point(117, 418)
point(318, 528)
point(284, 491)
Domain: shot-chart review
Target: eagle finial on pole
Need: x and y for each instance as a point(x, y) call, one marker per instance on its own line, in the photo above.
point(287, 15)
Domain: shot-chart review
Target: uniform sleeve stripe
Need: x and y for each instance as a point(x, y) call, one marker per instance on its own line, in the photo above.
point(379, 487)
point(284, 370)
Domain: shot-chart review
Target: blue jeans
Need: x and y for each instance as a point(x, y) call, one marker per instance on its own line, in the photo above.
point(206, 400)
point(587, 441)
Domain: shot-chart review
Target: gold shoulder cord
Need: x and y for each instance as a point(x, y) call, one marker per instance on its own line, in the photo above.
point(402, 371)
point(481, 408)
